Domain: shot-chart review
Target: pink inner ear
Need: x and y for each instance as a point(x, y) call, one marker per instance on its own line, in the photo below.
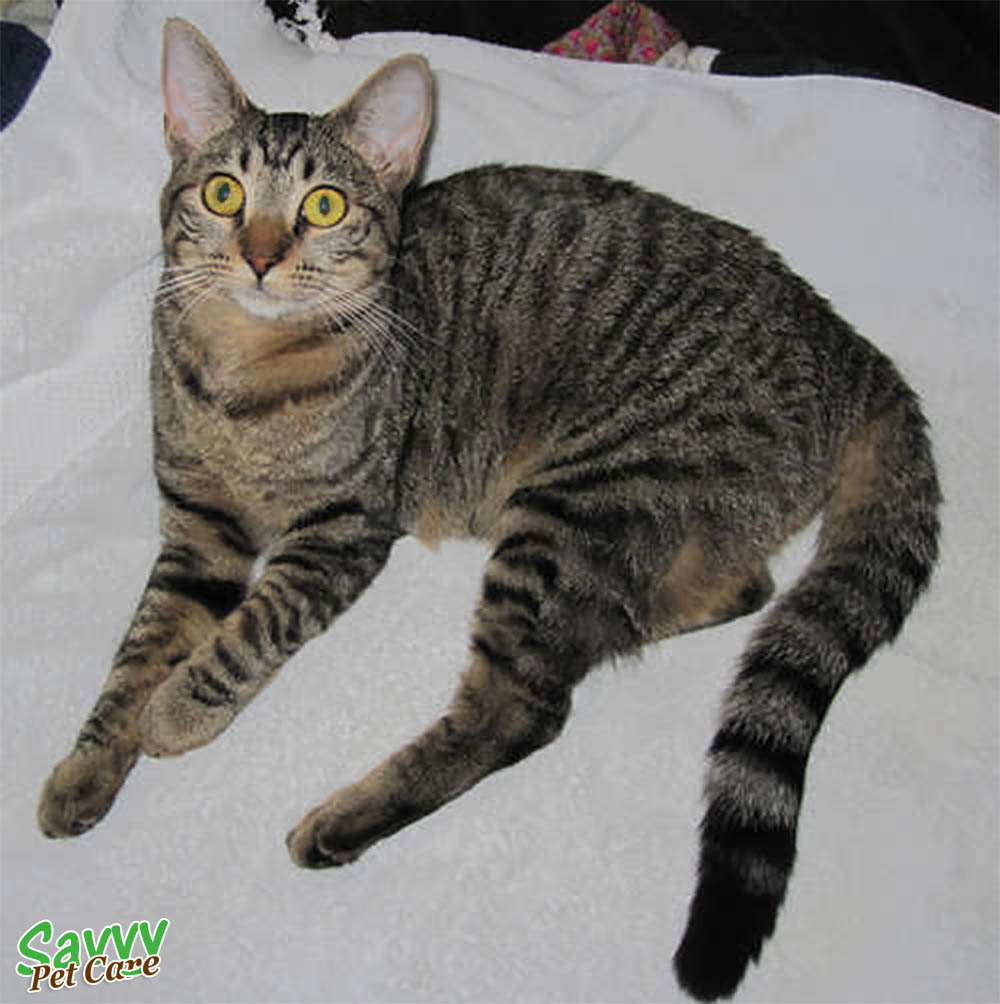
point(404, 125)
point(198, 100)
point(185, 120)
point(392, 120)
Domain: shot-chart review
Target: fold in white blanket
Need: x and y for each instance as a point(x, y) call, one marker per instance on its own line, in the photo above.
point(565, 878)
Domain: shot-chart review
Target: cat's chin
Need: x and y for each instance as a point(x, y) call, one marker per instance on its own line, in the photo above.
point(263, 304)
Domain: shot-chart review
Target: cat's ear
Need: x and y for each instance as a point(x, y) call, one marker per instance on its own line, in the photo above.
point(389, 116)
point(200, 96)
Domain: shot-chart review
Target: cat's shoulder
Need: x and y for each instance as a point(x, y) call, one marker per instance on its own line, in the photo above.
point(527, 186)
point(501, 190)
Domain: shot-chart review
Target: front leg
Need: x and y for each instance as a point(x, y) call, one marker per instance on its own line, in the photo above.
point(314, 572)
point(199, 576)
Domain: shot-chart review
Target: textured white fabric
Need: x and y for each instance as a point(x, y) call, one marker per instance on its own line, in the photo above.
point(567, 877)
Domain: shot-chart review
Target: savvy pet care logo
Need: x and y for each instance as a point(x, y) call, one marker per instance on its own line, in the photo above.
point(68, 966)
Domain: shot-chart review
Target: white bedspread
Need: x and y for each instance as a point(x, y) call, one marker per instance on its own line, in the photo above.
point(567, 877)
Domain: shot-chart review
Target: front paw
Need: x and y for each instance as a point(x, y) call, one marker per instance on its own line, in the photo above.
point(190, 708)
point(81, 789)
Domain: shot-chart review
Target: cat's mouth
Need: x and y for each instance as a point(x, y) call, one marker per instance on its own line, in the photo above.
point(262, 303)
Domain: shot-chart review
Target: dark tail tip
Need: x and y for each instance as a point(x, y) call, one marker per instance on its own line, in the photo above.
point(726, 928)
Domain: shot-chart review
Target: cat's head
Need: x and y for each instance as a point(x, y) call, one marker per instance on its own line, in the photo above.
point(284, 214)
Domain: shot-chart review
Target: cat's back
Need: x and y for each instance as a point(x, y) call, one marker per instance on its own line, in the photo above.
point(569, 309)
point(528, 213)
point(573, 287)
point(547, 247)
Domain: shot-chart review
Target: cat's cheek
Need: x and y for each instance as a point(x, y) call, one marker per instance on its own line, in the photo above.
point(350, 272)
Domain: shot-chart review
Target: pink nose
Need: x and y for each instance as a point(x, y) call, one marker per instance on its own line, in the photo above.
point(261, 263)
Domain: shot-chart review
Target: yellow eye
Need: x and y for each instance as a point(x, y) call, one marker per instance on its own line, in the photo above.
point(223, 195)
point(323, 207)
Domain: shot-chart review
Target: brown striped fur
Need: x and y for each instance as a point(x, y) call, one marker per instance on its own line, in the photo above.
point(635, 404)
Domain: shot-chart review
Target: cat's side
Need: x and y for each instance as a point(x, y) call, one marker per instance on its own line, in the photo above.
point(634, 403)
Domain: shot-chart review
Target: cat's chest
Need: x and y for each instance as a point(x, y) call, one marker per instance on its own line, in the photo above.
point(273, 468)
point(279, 415)
point(285, 447)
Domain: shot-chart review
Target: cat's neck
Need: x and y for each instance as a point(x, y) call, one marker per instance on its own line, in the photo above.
point(248, 360)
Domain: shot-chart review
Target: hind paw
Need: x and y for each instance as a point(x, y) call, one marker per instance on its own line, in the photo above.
point(341, 829)
point(319, 842)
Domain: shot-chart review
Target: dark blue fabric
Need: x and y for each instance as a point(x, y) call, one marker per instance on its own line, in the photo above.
point(23, 56)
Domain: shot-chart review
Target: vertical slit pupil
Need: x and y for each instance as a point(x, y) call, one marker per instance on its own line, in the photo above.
point(223, 191)
point(324, 205)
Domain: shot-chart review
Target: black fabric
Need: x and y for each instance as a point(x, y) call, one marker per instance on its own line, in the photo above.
point(23, 56)
point(945, 46)
point(949, 47)
point(522, 24)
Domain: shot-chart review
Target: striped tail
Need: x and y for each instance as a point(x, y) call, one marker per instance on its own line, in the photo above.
point(876, 550)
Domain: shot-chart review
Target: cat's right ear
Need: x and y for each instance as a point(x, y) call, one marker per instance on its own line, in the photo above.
point(200, 95)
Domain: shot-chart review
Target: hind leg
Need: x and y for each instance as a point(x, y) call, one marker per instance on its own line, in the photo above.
point(698, 591)
point(540, 624)
point(492, 723)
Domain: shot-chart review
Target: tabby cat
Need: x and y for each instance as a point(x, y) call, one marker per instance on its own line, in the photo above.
point(634, 403)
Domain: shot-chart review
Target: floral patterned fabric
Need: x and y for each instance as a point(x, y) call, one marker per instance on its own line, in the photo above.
point(620, 32)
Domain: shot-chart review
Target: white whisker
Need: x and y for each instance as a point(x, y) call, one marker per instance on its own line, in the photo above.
point(182, 281)
point(198, 298)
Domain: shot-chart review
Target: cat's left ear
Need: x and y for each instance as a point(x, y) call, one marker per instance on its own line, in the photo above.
point(200, 96)
point(389, 116)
